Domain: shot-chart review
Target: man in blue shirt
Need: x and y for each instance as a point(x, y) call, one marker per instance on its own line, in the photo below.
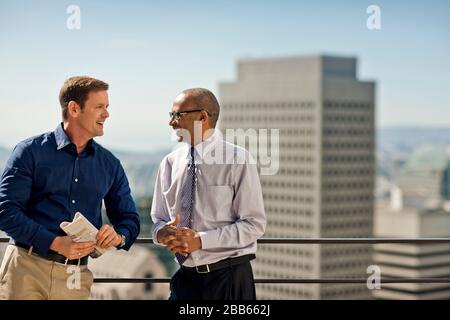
point(49, 178)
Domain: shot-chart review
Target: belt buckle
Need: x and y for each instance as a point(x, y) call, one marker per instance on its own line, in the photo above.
point(198, 270)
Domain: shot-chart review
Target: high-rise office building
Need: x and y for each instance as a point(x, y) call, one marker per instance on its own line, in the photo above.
point(325, 182)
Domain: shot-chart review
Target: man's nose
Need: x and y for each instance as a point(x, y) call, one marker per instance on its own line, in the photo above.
point(172, 121)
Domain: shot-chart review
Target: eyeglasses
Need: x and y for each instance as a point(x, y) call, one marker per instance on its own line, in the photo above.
point(179, 114)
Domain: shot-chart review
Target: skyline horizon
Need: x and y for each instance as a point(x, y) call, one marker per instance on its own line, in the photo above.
point(172, 145)
point(149, 52)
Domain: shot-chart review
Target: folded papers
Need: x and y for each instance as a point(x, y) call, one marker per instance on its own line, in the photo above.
point(82, 230)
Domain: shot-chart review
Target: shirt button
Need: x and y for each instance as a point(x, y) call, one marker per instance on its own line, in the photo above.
point(76, 179)
point(73, 201)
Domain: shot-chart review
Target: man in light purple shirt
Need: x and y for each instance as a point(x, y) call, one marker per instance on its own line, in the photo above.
point(207, 206)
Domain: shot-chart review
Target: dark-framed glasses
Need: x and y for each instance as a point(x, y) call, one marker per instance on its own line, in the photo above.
point(179, 114)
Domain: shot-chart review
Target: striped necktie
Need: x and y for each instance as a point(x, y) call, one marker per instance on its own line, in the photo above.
point(187, 199)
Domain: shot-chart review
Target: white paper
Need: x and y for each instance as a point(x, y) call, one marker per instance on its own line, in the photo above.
point(82, 230)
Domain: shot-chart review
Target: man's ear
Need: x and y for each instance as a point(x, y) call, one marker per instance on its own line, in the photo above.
point(204, 116)
point(73, 109)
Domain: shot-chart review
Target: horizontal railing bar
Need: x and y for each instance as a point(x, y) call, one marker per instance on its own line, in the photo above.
point(328, 240)
point(351, 240)
point(304, 241)
point(285, 281)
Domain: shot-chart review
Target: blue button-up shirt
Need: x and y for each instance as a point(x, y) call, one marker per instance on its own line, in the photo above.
point(45, 182)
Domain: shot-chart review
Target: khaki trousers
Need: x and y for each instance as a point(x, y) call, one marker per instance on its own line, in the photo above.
point(27, 276)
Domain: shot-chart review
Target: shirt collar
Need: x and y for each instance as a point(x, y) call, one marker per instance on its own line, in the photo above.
point(63, 140)
point(204, 147)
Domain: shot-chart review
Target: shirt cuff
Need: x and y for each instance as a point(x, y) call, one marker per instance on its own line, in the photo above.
point(155, 238)
point(43, 240)
point(127, 235)
point(210, 239)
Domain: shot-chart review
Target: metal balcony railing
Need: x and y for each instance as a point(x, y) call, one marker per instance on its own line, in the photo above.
point(308, 280)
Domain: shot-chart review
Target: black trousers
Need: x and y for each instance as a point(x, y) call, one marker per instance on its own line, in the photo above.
point(230, 283)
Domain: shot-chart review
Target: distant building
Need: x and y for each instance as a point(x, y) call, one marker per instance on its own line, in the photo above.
point(325, 183)
point(412, 260)
point(139, 262)
point(425, 178)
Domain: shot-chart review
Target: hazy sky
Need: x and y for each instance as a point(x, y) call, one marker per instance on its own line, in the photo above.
point(148, 51)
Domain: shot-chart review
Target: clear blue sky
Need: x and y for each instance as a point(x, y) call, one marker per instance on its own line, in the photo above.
point(150, 50)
